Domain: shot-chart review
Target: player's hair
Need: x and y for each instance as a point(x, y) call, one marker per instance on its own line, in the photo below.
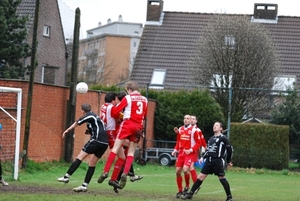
point(121, 95)
point(132, 85)
point(221, 125)
point(110, 96)
point(86, 107)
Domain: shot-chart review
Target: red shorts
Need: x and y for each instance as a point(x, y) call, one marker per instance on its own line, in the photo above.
point(184, 159)
point(112, 135)
point(130, 130)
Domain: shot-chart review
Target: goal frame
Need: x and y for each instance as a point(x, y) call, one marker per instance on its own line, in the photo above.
point(18, 125)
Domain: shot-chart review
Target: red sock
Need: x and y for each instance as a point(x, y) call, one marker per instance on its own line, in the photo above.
point(179, 183)
point(118, 167)
point(187, 180)
point(109, 161)
point(194, 175)
point(129, 161)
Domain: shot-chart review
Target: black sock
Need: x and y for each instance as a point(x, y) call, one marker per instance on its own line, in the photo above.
point(120, 174)
point(131, 171)
point(89, 174)
point(195, 186)
point(74, 166)
point(226, 186)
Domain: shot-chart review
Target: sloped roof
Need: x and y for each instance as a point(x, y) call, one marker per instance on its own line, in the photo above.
point(27, 8)
point(170, 45)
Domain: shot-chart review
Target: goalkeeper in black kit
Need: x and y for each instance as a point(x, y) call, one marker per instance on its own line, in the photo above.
point(218, 152)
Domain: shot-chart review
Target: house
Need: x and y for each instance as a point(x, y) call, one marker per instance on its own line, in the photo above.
point(169, 38)
point(51, 49)
point(106, 56)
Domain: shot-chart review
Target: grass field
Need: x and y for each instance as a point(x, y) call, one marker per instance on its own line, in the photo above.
point(38, 182)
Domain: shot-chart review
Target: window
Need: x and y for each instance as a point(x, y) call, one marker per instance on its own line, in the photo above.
point(46, 31)
point(283, 83)
point(229, 41)
point(158, 79)
point(48, 74)
point(219, 79)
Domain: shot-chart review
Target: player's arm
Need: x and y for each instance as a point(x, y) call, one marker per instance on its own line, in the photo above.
point(229, 150)
point(74, 125)
point(116, 110)
point(176, 148)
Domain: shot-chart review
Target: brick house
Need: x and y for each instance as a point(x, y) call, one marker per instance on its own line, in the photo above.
point(51, 49)
point(169, 38)
point(107, 55)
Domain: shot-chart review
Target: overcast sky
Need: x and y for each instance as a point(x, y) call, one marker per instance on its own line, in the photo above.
point(95, 11)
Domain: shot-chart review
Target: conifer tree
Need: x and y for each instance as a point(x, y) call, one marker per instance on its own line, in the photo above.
point(13, 48)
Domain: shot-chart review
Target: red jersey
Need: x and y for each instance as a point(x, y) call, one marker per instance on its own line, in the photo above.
point(135, 108)
point(106, 116)
point(200, 137)
point(184, 139)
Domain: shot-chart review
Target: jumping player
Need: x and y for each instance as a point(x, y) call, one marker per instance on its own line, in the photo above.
point(96, 146)
point(131, 128)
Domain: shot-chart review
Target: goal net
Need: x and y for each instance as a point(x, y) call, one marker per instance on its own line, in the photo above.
point(14, 110)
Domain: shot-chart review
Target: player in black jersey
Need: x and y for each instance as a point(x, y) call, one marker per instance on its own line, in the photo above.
point(96, 146)
point(218, 152)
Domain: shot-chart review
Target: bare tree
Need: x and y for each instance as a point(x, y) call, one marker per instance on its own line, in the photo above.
point(234, 52)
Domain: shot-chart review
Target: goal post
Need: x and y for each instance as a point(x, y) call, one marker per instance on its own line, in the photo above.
point(18, 125)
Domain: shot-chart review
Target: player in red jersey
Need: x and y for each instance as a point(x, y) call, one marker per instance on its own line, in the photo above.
point(185, 152)
point(135, 111)
point(112, 125)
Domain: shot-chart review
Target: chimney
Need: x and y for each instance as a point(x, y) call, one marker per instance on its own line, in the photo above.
point(108, 21)
point(99, 24)
point(265, 11)
point(120, 18)
point(154, 10)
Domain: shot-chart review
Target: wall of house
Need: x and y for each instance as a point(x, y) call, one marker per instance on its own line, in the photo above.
point(47, 123)
point(51, 51)
point(117, 55)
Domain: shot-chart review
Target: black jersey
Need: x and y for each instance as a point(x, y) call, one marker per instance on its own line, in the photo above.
point(95, 126)
point(219, 147)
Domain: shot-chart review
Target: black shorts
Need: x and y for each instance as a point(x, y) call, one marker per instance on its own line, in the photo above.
point(94, 147)
point(214, 166)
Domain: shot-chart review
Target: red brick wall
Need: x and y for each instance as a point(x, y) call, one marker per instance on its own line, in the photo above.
point(48, 117)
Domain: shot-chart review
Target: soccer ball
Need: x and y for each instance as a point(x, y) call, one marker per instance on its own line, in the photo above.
point(82, 87)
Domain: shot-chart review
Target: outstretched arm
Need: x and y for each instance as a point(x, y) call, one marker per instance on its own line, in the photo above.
point(74, 125)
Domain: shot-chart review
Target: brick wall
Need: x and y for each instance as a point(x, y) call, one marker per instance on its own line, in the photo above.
point(48, 117)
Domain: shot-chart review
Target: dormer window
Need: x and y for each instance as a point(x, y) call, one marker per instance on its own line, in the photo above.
point(46, 31)
point(158, 79)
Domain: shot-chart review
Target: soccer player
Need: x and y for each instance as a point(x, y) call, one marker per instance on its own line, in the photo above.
point(218, 148)
point(131, 128)
point(2, 181)
point(96, 146)
point(202, 144)
point(112, 125)
point(185, 152)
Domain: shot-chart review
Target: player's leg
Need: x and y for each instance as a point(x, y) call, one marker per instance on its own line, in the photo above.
point(117, 168)
point(111, 157)
point(219, 170)
point(97, 150)
point(128, 163)
point(179, 167)
point(82, 155)
point(2, 181)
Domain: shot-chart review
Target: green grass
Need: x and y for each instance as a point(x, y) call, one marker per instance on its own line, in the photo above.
point(158, 184)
